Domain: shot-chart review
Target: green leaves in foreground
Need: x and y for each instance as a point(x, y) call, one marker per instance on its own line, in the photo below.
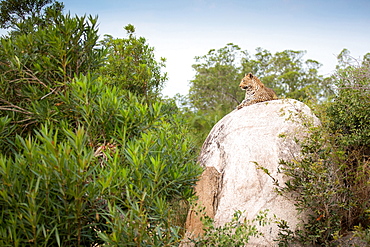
point(47, 194)
point(113, 170)
point(237, 232)
point(60, 193)
point(87, 162)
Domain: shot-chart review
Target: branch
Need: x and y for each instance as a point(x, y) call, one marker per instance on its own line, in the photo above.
point(232, 97)
point(52, 91)
point(12, 107)
point(33, 77)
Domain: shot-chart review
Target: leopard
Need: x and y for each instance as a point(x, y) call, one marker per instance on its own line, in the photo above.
point(255, 91)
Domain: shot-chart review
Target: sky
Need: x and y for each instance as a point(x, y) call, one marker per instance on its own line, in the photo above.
point(179, 30)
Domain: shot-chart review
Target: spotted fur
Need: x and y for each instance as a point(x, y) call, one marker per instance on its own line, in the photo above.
point(255, 91)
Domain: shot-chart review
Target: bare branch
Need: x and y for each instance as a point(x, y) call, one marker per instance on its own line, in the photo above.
point(12, 107)
point(34, 78)
point(52, 91)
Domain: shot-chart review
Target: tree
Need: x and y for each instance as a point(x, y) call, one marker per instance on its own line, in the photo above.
point(36, 66)
point(131, 65)
point(288, 74)
point(331, 179)
point(13, 12)
point(218, 74)
point(214, 91)
point(215, 86)
point(85, 159)
point(350, 108)
point(118, 171)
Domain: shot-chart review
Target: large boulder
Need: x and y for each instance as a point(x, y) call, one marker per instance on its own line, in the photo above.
point(258, 135)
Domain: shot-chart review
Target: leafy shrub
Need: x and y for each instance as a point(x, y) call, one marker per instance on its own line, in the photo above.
point(90, 156)
point(130, 65)
point(317, 181)
point(331, 179)
point(62, 188)
point(237, 232)
point(115, 172)
point(350, 110)
point(37, 63)
point(47, 192)
point(159, 171)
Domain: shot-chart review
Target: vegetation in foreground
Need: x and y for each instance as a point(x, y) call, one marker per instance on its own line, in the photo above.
point(92, 154)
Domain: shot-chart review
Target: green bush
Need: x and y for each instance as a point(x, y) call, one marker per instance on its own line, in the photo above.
point(237, 232)
point(130, 65)
point(37, 63)
point(65, 188)
point(350, 111)
point(47, 192)
point(317, 181)
point(85, 159)
point(91, 155)
point(331, 179)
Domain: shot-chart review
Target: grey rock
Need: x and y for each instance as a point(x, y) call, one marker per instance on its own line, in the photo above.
point(257, 135)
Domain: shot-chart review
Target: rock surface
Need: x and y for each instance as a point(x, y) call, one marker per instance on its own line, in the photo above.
point(258, 134)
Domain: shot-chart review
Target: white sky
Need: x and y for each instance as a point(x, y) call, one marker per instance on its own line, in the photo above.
point(179, 30)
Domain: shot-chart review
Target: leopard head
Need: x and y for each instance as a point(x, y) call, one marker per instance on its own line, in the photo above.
point(249, 83)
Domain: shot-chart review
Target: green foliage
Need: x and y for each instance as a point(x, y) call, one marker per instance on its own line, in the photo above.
point(131, 65)
point(285, 236)
point(318, 180)
point(215, 86)
point(47, 194)
point(104, 109)
point(130, 160)
point(65, 193)
point(53, 53)
point(331, 179)
point(214, 91)
point(237, 232)
point(37, 66)
point(362, 233)
point(350, 110)
point(13, 12)
point(6, 134)
point(152, 184)
point(90, 155)
point(288, 74)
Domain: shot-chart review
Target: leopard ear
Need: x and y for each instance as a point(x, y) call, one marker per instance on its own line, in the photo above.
point(250, 75)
